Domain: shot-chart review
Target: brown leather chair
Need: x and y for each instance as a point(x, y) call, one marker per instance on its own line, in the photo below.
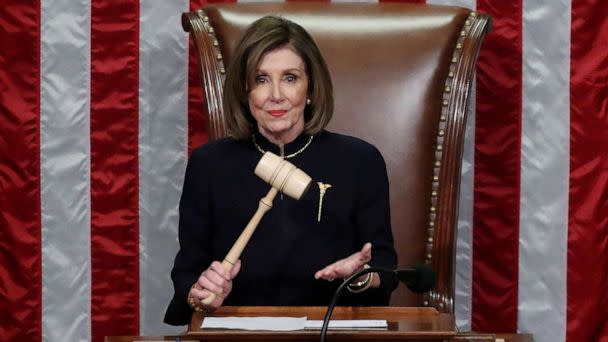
point(402, 76)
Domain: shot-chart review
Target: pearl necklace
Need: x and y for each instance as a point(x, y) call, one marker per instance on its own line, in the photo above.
point(287, 156)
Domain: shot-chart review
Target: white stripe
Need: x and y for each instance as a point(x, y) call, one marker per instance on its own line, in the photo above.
point(544, 169)
point(464, 242)
point(163, 136)
point(65, 170)
point(462, 3)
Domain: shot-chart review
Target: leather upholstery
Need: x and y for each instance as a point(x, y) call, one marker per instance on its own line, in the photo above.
point(402, 75)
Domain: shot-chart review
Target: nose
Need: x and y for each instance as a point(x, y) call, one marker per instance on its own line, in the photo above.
point(277, 93)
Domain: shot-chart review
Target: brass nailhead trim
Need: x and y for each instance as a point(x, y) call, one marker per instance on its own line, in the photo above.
point(441, 133)
point(214, 41)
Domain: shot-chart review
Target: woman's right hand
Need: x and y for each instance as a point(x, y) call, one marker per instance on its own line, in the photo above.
point(215, 279)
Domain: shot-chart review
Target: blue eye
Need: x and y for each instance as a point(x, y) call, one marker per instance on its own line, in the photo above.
point(291, 78)
point(260, 79)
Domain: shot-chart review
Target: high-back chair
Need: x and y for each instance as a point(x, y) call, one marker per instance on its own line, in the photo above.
point(402, 76)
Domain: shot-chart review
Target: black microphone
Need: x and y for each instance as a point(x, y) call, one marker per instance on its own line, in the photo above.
point(418, 278)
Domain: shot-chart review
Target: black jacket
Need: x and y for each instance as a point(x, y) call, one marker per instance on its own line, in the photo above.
point(221, 192)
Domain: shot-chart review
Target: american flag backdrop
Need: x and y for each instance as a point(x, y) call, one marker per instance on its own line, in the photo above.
point(100, 104)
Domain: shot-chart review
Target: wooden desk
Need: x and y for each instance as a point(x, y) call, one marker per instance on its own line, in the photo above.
point(404, 324)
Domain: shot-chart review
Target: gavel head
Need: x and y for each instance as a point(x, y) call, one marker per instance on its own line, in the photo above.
point(283, 175)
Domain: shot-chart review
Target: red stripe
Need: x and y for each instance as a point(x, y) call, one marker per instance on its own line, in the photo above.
point(114, 168)
point(497, 167)
point(587, 277)
point(20, 259)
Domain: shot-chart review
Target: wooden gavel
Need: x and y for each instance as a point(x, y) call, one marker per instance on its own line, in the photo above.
point(282, 176)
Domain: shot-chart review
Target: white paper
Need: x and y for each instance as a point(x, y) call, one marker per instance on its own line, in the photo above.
point(255, 323)
point(348, 324)
point(286, 323)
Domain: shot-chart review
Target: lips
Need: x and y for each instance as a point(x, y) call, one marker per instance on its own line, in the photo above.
point(277, 112)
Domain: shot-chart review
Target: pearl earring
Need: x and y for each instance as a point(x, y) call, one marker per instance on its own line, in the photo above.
point(308, 101)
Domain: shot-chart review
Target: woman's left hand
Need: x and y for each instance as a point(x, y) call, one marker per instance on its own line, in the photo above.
point(343, 268)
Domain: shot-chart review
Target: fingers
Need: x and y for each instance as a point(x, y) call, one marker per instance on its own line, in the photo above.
point(216, 303)
point(215, 279)
point(339, 269)
point(365, 255)
point(343, 268)
point(220, 270)
point(328, 273)
point(200, 294)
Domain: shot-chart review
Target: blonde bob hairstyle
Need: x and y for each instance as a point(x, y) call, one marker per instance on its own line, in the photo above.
point(264, 35)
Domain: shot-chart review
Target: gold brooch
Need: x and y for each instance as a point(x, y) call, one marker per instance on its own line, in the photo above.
point(322, 188)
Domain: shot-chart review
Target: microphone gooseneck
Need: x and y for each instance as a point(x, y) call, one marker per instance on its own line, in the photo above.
point(419, 279)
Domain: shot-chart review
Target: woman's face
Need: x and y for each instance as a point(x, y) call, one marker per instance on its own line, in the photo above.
point(278, 96)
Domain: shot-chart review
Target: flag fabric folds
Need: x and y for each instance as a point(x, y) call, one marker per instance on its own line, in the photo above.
point(100, 106)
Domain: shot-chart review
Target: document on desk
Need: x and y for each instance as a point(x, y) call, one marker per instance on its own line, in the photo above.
point(286, 323)
point(255, 323)
point(349, 324)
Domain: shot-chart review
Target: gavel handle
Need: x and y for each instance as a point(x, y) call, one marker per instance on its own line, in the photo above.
point(236, 250)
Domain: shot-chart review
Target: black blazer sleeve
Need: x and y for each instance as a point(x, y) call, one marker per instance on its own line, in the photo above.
point(195, 236)
point(373, 222)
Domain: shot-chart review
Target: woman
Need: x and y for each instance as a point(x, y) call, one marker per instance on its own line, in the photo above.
point(278, 98)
